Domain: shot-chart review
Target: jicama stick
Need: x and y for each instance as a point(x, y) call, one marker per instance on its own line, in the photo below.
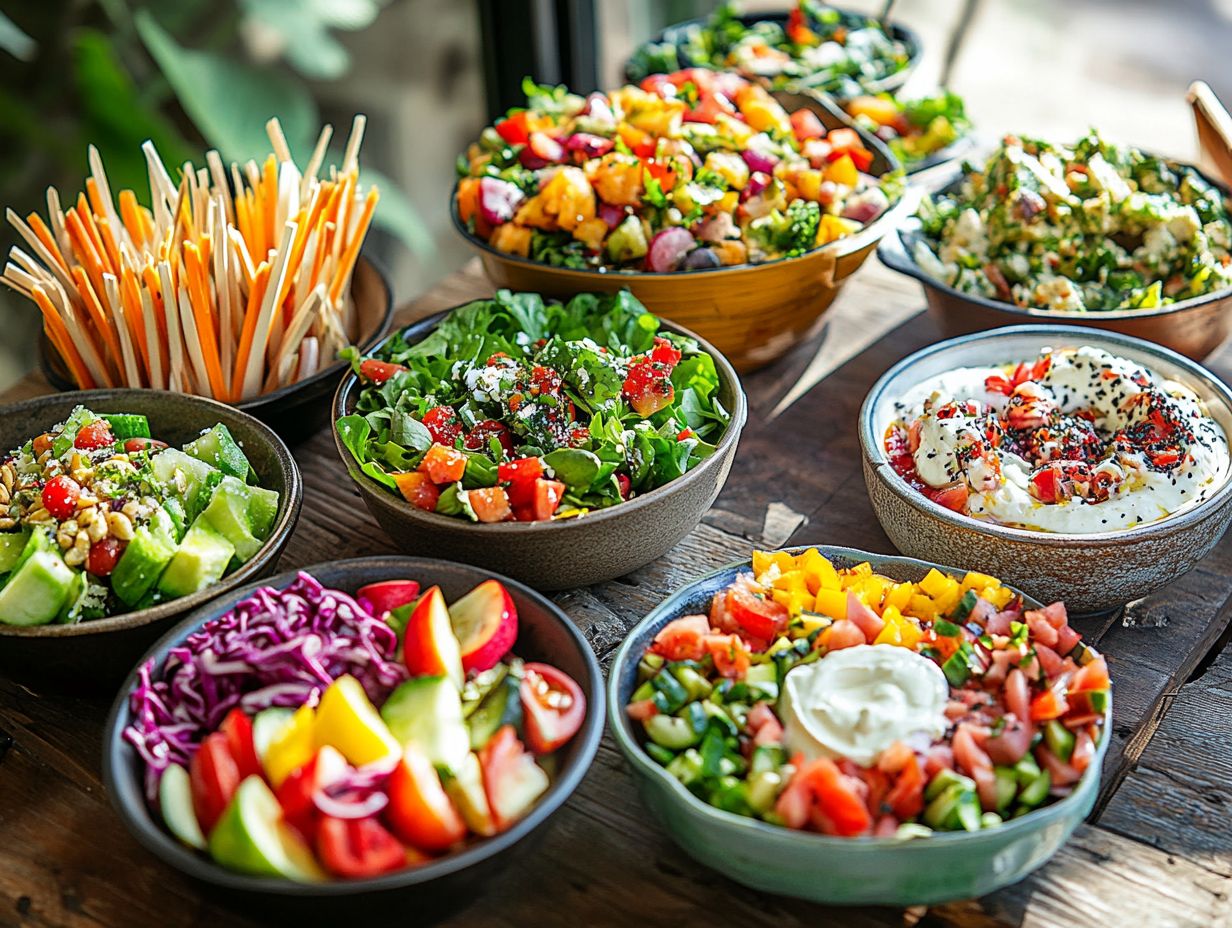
point(235, 281)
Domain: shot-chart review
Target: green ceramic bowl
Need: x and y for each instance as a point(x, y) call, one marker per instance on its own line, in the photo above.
point(838, 871)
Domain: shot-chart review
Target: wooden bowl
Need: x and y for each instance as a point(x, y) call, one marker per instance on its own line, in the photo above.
point(1091, 572)
point(677, 35)
point(300, 410)
point(430, 891)
point(99, 653)
point(1194, 327)
point(558, 555)
point(753, 313)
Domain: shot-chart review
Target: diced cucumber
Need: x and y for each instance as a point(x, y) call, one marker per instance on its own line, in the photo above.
point(1007, 787)
point(143, 561)
point(687, 767)
point(218, 449)
point(944, 779)
point(677, 732)
point(227, 513)
point(697, 686)
point(37, 590)
point(502, 706)
point(12, 544)
point(427, 712)
point(731, 795)
point(184, 474)
point(1037, 790)
point(660, 754)
point(768, 757)
point(763, 681)
point(179, 518)
point(763, 790)
point(717, 716)
point(643, 692)
point(262, 510)
point(1026, 769)
point(1060, 740)
point(127, 425)
point(990, 820)
point(199, 561)
point(674, 694)
point(649, 665)
point(75, 601)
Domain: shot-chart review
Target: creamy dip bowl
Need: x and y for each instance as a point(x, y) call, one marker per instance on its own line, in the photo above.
point(1099, 532)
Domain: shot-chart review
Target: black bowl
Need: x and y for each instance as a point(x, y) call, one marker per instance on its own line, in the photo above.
point(677, 35)
point(428, 892)
point(300, 410)
point(98, 653)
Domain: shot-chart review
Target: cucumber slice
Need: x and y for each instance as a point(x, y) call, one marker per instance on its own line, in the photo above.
point(502, 706)
point(427, 712)
point(175, 803)
point(127, 425)
point(267, 725)
point(12, 544)
point(200, 561)
point(37, 590)
point(218, 449)
point(252, 837)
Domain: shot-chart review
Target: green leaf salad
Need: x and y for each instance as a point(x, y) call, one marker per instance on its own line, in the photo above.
point(1091, 226)
point(519, 409)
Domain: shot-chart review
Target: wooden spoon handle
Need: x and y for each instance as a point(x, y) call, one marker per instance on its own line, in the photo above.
point(1214, 125)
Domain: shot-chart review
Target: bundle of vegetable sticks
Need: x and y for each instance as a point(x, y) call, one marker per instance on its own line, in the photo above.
point(230, 286)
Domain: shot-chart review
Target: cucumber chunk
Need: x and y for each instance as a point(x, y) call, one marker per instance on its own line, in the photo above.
point(200, 561)
point(127, 425)
point(219, 449)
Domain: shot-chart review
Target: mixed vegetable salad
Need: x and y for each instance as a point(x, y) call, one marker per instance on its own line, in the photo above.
point(99, 518)
point(818, 48)
point(517, 408)
point(1085, 227)
point(308, 734)
point(842, 701)
point(914, 130)
point(691, 170)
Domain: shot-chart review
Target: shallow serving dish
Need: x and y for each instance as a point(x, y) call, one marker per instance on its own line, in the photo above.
point(753, 313)
point(837, 871)
point(1194, 327)
point(101, 651)
point(1091, 572)
point(557, 555)
point(432, 890)
point(300, 410)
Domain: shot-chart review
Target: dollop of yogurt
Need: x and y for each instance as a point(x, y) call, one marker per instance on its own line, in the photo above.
point(858, 701)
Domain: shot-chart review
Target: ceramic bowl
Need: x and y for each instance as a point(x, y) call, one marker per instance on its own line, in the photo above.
point(753, 313)
point(558, 555)
point(1091, 572)
point(679, 35)
point(299, 411)
point(544, 633)
point(836, 871)
point(100, 652)
point(1194, 327)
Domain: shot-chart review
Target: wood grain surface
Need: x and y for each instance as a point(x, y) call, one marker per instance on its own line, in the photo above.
point(1157, 850)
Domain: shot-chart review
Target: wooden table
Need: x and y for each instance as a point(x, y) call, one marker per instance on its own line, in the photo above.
point(1156, 850)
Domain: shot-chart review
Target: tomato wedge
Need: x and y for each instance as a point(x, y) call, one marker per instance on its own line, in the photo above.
point(238, 728)
point(214, 777)
point(359, 847)
point(553, 706)
point(420, 811)
point(758, 617)
point(378, 372)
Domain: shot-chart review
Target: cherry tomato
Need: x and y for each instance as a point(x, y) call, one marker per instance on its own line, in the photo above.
point(554, 707)
point(93, 436)
point(548, 494)
point(444, 425)
point(103, 556)
point(356, 848)
point(375, 371)
point(238, 728)
point(385, 595)
point(296, 791)
point(214, 777)
point(60, 497)
point(149, 445)
point(648, 388)
point(951, 496)
point(477, 439)
point(514, 129)
point(419, 810)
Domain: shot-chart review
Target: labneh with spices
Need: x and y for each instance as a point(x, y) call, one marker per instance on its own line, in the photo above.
point(1075, 440)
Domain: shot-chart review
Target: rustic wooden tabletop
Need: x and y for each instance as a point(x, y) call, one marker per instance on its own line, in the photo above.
point(1156, 851)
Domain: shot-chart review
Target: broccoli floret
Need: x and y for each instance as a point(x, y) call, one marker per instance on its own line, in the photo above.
point(803, 218)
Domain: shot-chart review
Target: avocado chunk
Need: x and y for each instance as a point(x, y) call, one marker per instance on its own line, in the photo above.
point(252, 837)
point(12, 545)
point(200, 560)
point(218, 449)
point(230, 513)
point(427, 712)
point(37, 590)
point(144, 559)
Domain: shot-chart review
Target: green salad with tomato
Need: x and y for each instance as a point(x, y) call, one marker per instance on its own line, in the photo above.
point(519, 409)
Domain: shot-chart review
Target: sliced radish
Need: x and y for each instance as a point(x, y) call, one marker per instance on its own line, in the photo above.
point(498, 200)
point(592, 146)
point(668, 249)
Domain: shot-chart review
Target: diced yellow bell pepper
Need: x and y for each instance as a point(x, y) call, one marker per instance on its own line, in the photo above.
point(922, 607)
point(761, 562)
point(899, 596)
point(977, 581)
point(947, 602)
point(831, 602)
point(936, 584)
point(819, 571)
point(348, 721)
point(910, 632)
point(808, 183)
point(999, 597)
point(292, 747)
point(842, 170)
point(831, 228)
point(891, 633)
point(794, 601)
point(791, 580)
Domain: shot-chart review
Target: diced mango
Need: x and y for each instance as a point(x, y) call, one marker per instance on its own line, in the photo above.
point(809, 622)
point(842, 170)
point(761, 562)
point(978, 581)
point(921, 607)
point(833, 228)
point(791, 580)
point(831, 602)
point(808, 183)
point(936, 584)
point(818, 570)
point(794, 601)
point(891, 633)
point(899, 596)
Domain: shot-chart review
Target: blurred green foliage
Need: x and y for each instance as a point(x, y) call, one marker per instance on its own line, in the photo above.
point(188, 74)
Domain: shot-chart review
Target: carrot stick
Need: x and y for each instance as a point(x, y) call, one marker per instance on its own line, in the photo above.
point(94, 309)
point(131, 216)
point(255, 297)
point(347, 261)
point(198, 293)
point(153, 286)
point(59, 336)
point(44, 235)
point(133, 316)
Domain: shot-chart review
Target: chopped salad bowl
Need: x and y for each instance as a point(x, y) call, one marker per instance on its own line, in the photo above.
point(820, 868)
point(431, 888)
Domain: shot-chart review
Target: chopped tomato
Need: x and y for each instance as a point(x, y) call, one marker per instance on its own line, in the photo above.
point(952, 496)
point(665, 353)
point(681, 639)
point(798, 30)
point(237, 726)
point(511, 778)
point(648, 387)
point(444, 425)
point(1045, 485)
point(642, 710)
point(214, 777)
point(491, 504)
point(103, 556)
point(418, 490)
point(94, 435)
point(443, 465)
point(997, 383)
point(479, 438)
point(843, 140)
point(762, 618)
point(806, 125)
point(548, 494)
point(148, 445)
point(295, 793)
point(553, 707)
point(730, 653)
point(514, 129)
point(378, 372)
point(640, 143)
point(838, 807)
point(60, 495)
point(842, 634)
point(420, 811)
point(521, 469)
point(359, 847)
point(1050, 704)
point(906, 796)
point(1091, 676)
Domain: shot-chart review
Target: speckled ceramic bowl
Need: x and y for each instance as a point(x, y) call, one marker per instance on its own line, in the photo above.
point(1092, 572)
point(837, 871)
point(100, 652)
point(425, 893)
point(558, 555)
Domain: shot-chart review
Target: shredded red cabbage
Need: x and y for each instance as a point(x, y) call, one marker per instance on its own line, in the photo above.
point(276, 648)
